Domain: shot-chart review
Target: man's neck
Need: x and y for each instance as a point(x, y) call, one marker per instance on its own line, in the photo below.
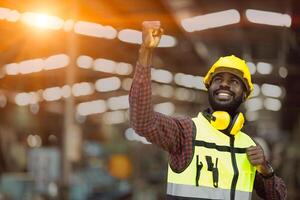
point(230, 112)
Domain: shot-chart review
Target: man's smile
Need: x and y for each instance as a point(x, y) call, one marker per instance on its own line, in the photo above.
point(223, 95)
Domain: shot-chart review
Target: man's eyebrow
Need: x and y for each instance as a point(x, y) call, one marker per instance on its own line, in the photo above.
point(217, 75)
point(235, 77)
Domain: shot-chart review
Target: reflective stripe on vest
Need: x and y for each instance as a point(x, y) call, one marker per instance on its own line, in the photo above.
point(219, 168)
point(192, 191)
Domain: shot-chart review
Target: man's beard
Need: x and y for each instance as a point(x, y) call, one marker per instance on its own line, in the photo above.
point(229, 107)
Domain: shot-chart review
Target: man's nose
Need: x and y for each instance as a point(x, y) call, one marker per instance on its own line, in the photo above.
point(225, 83)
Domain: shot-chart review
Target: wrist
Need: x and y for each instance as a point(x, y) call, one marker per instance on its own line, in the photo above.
point(266, 170)
point(145, 56)
point(144, 48)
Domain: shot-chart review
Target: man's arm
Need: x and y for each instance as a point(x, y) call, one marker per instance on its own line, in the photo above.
point(267, 184)
point(272, 188)
point(171, 134)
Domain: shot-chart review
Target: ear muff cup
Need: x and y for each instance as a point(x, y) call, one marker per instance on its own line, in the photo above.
point(236, 124)
point(222, 121)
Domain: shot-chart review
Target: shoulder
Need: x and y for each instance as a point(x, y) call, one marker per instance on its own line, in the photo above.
point(184, 122)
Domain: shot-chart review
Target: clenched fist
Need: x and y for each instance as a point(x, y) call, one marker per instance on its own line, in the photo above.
point(257, 158)
point(152, 33)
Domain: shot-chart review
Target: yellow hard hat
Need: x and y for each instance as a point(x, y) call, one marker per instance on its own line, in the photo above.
point(234, 65)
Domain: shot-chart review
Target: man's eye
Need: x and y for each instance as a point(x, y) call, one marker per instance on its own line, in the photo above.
point(234, 81)
point(217, 79)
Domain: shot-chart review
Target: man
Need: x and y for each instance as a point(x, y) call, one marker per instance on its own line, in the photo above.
point(210, 158)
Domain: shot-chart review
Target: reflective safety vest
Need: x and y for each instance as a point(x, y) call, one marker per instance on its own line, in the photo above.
point(219, 168)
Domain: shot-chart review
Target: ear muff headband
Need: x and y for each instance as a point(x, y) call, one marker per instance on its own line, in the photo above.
point(221, 120)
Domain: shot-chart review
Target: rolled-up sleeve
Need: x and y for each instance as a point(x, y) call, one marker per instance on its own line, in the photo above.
point(171, 134)
point(272, 188)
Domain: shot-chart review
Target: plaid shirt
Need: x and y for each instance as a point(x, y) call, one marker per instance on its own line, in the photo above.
point(175, 135)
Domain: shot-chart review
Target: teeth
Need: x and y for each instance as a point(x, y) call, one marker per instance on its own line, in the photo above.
point(223, 94)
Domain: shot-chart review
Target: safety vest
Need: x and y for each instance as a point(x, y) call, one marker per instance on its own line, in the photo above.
point(219, 168)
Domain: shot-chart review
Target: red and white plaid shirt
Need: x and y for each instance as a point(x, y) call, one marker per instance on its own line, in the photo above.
point(175, 135)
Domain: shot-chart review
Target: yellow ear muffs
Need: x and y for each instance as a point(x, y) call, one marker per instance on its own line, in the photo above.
point(221, 120)
point(236, 124)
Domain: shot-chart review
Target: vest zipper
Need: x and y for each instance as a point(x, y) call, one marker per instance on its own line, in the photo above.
point(235, 169)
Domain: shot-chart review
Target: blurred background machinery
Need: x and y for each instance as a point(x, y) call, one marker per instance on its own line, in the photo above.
point(67, 66)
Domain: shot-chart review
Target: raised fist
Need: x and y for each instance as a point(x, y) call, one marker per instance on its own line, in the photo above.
point(152, 33)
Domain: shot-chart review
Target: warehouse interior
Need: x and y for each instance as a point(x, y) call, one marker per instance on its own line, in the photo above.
point(66, 71)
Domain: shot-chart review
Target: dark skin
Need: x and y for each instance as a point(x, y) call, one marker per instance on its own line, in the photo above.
point(226, 91)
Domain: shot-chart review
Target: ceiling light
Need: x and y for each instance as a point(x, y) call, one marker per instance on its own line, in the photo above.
point(271, 90)
point(264, 68)
point(42, 20)
point(84, 62)
point(123, 68)
point(4, 12)
point(126, 84)
point(31, 66)
point(162, 76)
point(198, 83)
point(92, 107)
point(52, 94)
point(117, 103)
point(95, 30)
point(254, 104)
point(252, 67)
point(268, 18)
point(22, 99)
point(283, 72)
point(104, 65)
point(211, 20)
point(135, 37)
point(165, 91)
point(256, 90)
point(12, 68)
point(56, 61)
point(272, 104)
point(108, 84)
point(13, 16)
point(83, 88)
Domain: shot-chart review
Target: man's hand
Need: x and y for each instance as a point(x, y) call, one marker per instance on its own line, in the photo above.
point(152, 33)
point(257, 158)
